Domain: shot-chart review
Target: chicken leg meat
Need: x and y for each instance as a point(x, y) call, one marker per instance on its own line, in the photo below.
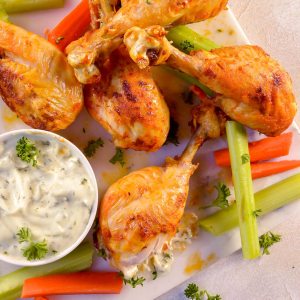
point(128, 104)
point(36, 81)
point(250, 86)
point(83, 53)
point(140, 212)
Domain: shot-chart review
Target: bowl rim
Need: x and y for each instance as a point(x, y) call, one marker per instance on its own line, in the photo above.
point(87, 166)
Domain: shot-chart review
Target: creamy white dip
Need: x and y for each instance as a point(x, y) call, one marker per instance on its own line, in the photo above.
point(53, 199)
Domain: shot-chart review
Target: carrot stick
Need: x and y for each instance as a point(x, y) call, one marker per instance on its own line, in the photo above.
point(71, 27)
point(40, 298)
point(265, 169)
point(264, 149)
point(73, 283)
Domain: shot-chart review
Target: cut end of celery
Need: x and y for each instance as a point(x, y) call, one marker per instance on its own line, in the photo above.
point(187, 40)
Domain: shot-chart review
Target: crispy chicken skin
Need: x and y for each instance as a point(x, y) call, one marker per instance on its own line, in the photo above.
point(83, 53)
point(202, 11)
point(251, 87)
point(140, 212)
point(142, 208)
point(128, 104)
point(36, 81)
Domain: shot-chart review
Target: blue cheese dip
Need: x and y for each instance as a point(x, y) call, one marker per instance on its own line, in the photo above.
point(53, 199)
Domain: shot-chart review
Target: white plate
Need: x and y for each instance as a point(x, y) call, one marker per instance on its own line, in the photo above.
point(205, 245)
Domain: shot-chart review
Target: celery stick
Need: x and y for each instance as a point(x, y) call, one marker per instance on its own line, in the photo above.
point(3, 15)
point(78, 260)
point(191, 80)
point(266, 200)
point(187, 40)
point(242, 181)
point(17, 6)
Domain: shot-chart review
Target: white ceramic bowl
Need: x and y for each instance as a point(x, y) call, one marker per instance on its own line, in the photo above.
point(77, 153)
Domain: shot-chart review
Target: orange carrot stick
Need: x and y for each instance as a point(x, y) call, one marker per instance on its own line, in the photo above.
point(265, 169)
point(264, 149)
point(73, 283)
point(71, 27)
point(40, 298)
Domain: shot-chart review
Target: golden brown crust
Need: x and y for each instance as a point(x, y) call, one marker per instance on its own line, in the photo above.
point(128, 104)
point(143, 205)
point(95, 44)
point(203, 10)
point(252, 88)
point(36, 81)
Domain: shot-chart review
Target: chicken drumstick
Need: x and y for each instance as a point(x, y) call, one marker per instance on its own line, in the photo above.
point(251, 87)
point(83, 53)
point(128, 104)
point(36, 80)
point(141, 211)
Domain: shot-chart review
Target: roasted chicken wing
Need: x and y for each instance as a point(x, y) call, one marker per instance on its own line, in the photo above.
point(140, 213)
point(83, 53)
point(251, 87)
point(36, 80)
point(128, 104)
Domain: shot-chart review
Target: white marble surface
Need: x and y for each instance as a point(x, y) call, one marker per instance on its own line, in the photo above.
point(275, 25)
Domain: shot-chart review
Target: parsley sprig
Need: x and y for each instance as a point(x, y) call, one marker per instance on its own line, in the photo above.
point(92, 147)
point(118, 157)
point(134, 281)
point(223, 193)
point(187, 46)
point(267, 240)
point(222, 199)
point(27, 151)
point(192, 292)
point(154, 274)
point(34, 250)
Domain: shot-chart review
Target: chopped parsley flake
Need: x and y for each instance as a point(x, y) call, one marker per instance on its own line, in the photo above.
point(192, 292)
point(267, 240)
point(187, 46)
point(27, 151)
point(154, 274)
point(92, 147)
point(134, 281)
point(34, 250)
point(245, 158)
point(84, 181)
point(223, 193)
point(118, 157)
